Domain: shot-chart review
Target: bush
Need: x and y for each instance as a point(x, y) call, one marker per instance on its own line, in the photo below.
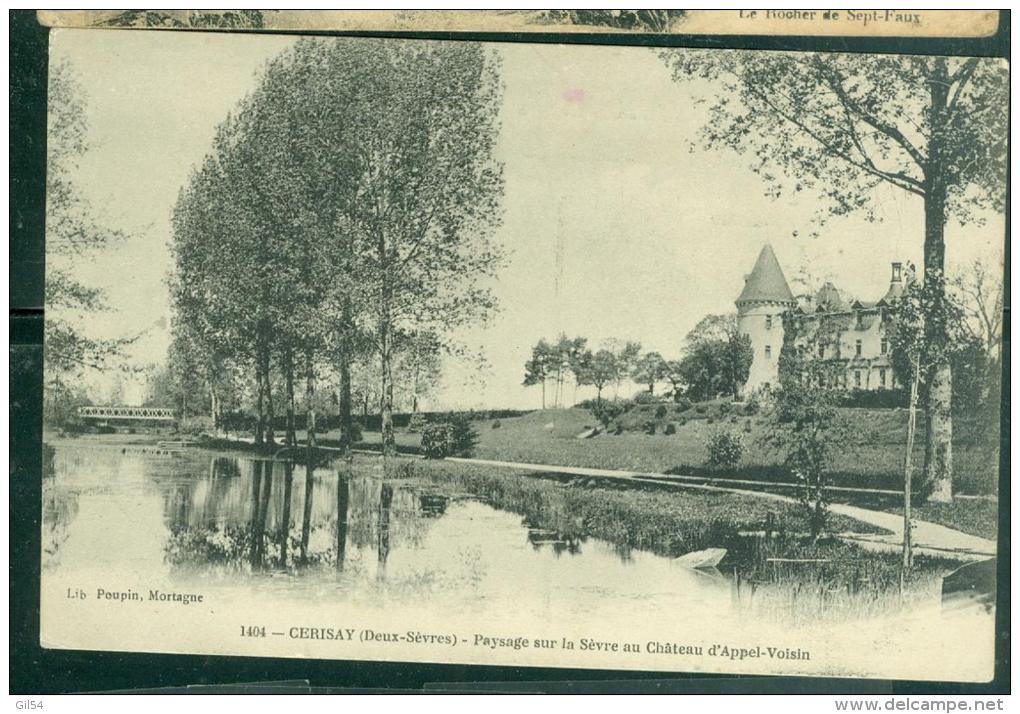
point(196, 426)
point(710, 420)
point(682, 403)
point(646, 398)
point(875, 398)
point(661, 411)
point(606, 412)
point(496, 424)
point(724, 449)
point(454, 436)
point(670, 429)
point(701, 408)
point(725, 407)
point(416, 423)
point(650, 427)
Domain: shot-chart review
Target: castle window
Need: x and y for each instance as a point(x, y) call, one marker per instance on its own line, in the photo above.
point(881, 376)
point(858, 348)
point(768, 351)
point(884, 346)
point(768, 322)
point(857, 378)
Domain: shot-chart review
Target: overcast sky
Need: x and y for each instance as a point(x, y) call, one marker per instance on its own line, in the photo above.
point(615, 225)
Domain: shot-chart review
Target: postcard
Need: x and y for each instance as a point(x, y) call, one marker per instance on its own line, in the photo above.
point(552, 355)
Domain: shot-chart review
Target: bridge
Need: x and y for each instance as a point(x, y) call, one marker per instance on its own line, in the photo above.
point(135, 414)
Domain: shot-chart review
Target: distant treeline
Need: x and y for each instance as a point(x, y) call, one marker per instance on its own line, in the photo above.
point(240, 421)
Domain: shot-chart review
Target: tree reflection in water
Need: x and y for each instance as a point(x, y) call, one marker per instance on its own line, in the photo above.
point(212, 526)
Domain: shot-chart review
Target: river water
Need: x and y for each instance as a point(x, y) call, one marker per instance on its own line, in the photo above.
point(197, 518)
point(279, 542)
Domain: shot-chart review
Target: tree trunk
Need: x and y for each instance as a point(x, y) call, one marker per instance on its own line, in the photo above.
point(346, 422)
point(389, 444)
point(290, 437)
point(938, 467)
point(543, 394)
point(310, 416)
point(270, 409)
point(306, 515)
point(284, 534)
point(260, 390)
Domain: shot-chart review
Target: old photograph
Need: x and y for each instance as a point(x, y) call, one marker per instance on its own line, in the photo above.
point(625, 358)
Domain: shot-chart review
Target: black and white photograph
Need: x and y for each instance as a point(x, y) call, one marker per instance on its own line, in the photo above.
point(523, 354)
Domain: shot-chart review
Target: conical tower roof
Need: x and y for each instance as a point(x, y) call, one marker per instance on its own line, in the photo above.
point(766, 283)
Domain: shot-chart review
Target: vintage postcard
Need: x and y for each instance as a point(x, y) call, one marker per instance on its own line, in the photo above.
point(523, 354)
point(848, 23)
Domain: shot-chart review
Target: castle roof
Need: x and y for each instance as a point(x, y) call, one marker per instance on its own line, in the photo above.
point(829, 299)
point(766, 283)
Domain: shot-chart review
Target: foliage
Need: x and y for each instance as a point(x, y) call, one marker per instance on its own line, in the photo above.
point(454, 436)
point(805, 426)
point(649, 369)
point(416, 423)
point(647, 20)
point(598, 370)
point(74, 231)
point(724, 449)
point(196, 426)
point(349, 158)
point(840, 125)
point(61, 402)
point(717, 359)
point(608, 411)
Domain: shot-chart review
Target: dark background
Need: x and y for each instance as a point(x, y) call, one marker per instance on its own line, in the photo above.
point(34, 670)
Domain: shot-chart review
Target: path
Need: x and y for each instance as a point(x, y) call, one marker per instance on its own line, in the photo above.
point(929, 538)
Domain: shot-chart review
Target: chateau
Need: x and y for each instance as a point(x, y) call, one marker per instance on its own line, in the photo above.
point(859, 344)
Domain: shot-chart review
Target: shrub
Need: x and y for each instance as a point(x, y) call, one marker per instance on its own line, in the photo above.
point(682, 403)
point(454, 436)
point(710, 420)
point(496, 424)
point(724, 449)
point(701, 408)
point(661, 411)
point(618, 430)
point(416, 423)
point(650, 428)
point(725, 407)
point(670, 429)
point(874, 398)
point(646, 398)
point(607, 411)
point(196, 426)
point(747, 426)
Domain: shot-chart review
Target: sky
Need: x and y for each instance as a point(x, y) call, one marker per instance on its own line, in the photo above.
point(617, 224)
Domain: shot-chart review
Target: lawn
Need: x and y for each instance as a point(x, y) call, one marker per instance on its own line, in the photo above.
point(550, 437)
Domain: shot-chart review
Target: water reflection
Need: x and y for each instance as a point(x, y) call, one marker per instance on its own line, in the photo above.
point(243, 513)
point(236, 521)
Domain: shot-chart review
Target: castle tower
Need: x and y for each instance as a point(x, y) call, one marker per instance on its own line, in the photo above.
point(760, 307)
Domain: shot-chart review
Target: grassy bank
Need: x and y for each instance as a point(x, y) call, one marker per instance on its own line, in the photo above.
point(784, 577)
point(550, 437)
point(660, 519)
